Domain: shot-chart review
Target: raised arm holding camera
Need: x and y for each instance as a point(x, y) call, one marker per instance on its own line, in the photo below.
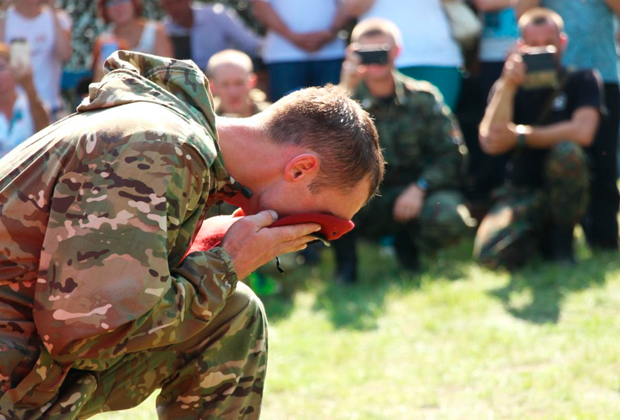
point(544, 116)
point(420, 205)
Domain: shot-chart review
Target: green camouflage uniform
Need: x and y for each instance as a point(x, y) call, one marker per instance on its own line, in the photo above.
point(97, 306)
point(517, 226)
point(420, 140)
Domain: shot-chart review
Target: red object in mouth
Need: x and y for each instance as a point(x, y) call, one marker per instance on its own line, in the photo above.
point(213, 229)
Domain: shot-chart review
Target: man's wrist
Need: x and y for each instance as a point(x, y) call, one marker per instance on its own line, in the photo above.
point(422, 184)
point(522, 132)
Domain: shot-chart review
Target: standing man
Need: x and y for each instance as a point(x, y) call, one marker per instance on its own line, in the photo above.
point(420, 204)
point(232, 80)
point(302, 47)
point(200, 30)
point(99, 305)
point(589, 25)
point(545, 130)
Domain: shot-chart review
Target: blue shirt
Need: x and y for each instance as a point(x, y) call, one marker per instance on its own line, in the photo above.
point(591, 42)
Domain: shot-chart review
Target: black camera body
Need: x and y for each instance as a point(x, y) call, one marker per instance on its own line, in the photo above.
point(374, 54)
point(542, 71)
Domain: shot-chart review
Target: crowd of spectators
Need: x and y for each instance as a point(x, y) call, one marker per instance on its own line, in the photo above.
point(540, 152)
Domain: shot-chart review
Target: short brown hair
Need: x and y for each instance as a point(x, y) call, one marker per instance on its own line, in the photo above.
point(377, 26)
point(137, 7)
point(539, 16)
point(327, 121)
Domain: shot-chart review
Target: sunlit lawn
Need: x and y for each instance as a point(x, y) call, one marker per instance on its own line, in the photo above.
point(458, 342)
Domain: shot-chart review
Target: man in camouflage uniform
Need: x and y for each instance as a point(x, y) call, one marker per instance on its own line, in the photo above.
point(420, 203)
point(544, 127)
point(99, 303)
point(233, 81)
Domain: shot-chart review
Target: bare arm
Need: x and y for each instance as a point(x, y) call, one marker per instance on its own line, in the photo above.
point(614, 5)
point(491, 5)
point(356, 8)
point(62, 43)
point(163, 46)
point(523, 6)
point(38, 111)
point(268, 17)
point(581, 129)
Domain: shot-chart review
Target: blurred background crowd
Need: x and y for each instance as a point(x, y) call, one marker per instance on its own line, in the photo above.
point(472, 144)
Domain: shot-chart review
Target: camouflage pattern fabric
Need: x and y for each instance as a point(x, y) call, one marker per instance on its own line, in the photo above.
point(420, 139)
point(515, 228)
point(419, 135)
point(96, 213)
point(443, 221)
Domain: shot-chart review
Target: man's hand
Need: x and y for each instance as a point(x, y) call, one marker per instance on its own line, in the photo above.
point(408, 205)
point(352, 70)
point(251, 243)
point(500, 139)
point(514, 71)
point(23, 77)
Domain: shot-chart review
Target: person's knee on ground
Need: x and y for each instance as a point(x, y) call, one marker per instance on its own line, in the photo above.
point(443, 221)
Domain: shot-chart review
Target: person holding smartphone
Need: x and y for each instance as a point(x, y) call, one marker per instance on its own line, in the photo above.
point(421, 206)
point(22, 112)
point(543, 116)
point(47, 31)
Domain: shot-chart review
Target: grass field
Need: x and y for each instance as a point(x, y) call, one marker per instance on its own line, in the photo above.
point(458, 342)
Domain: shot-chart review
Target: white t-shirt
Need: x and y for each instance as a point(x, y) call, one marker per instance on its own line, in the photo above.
point(19, 128)
point(41, 35)
point(302, 16)
point(426, 33)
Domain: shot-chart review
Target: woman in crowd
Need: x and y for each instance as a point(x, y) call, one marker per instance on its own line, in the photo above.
point(22, 112)
point(46, 31)
point(127, 30)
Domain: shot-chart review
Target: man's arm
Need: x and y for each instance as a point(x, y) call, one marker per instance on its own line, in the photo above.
point(523, 6)
point(62, 40)
point(38, 111)
point(105, 286)
point(246, 39)
point(356, 8)
point(444, 156)
point(581, 129)
point(491, 5)
point(267, 16)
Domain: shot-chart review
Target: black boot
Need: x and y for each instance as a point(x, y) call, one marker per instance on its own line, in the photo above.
point(561, 244)
point(407, 251)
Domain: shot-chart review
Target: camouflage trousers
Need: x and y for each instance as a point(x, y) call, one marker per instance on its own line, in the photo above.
point(517, 226)
point(218, 374)
point(443, 221)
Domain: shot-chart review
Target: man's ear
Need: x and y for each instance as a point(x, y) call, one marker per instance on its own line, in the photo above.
point(252, 80)
point(563, 41)
point(302, 167)
point(212, 87)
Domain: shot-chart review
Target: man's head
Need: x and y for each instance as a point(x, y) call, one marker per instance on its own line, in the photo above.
point(542, 27)
point(373, 33)
point(319, 153)
point(231, 78)
point(119, 11)
point(176, 9)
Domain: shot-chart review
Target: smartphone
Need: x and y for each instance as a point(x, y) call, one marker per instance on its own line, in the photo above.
point(20, 53)
point(541, 67)
point(374, 54)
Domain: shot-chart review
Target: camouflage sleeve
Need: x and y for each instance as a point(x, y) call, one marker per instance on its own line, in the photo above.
point(444, 148)
point(105, 284)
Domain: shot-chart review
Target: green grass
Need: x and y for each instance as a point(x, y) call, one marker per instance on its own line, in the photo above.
point(457, 342)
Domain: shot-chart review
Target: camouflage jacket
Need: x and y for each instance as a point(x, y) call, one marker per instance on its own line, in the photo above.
point(419, 135)
point(96, 214)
